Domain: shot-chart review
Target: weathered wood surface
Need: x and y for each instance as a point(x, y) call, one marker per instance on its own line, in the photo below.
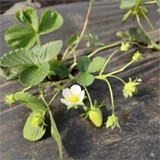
point(138, 138)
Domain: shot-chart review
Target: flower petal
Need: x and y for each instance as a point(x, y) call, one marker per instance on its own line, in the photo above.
point(82, 96)
point(66, 93)
point(76, 90)
point(67, 103)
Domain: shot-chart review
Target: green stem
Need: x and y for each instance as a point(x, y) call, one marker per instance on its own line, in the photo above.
point(121, 69)
point(148, 21)
point(111, 94)
point(113, 76)
point(65, 53)
point(139, 45)
point(103, 48)
point(43, 99)
point(89, 97)
point(98, 50)
point(42, 96)
point(141, 26)
point(25, 89)
point(38, 41)
point(60, 89)
point(149, 2)
point(108, 59)
point(74, 62)
point(83, 30)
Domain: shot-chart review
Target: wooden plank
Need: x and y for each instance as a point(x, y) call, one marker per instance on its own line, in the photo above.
point(139, 135)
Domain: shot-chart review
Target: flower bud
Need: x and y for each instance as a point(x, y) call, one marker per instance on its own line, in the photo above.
point(112, 122)
point(130, 88)
point(9, 99)
point(38, 119)
point(124, 47)
point(137, 56)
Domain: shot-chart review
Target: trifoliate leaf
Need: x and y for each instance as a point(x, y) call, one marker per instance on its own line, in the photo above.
point(96, 64)
point(55, 134)
point(20, 37)
point(33, 133)
point(138, 35)
point(127, 4)
point(34, 75)
point(29, 101)
point(28, 17)
point(83, 63)
point(50, 21)
point(85, 79)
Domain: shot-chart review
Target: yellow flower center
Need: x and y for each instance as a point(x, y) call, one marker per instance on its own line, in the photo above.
point(74, 99)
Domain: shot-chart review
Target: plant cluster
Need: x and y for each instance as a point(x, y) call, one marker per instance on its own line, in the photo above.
point(40, 65)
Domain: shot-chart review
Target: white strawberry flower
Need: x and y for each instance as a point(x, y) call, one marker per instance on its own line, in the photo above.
point(73, 96)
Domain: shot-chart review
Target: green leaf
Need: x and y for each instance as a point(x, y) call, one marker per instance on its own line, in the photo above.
point(19, 58)
point(55, 134)
point(57, 68)
point(83, 63)
point(34, 75)
point(50, 21)
point(85, 79)
point(123, 35)
point(127, 4)
point(126, 16)
point(35, 56)
point(10, 73)
point(62, 71)
point(96, 64)
point(138, 35)
point(28, 17)
point(158, 2)
point(48, 51)
point(29, 101)
point(95, 39)
point(20, 37)
point(32, 133)
point(73, 40)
